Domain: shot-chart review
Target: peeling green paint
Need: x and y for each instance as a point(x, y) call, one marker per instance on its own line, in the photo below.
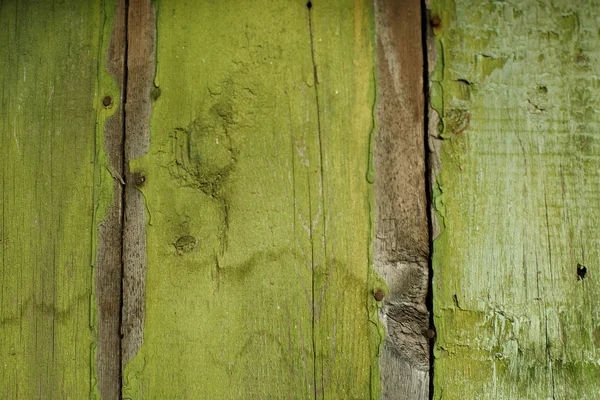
point(516, 196)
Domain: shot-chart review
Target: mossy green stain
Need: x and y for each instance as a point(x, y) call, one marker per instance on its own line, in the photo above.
point(55, 191)
point(260, 107)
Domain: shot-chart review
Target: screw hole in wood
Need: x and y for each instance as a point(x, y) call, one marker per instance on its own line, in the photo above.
point(581, 272)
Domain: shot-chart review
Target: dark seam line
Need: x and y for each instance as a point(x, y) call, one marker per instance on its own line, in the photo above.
point(428, 184)
point(124, 171)
point(94, 304)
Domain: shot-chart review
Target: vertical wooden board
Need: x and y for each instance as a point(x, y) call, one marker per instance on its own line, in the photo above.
point(55, 189)
point(228, 290)
point(401, 212)
point(108, 266)
point(347, 333)
point(517, 199)
point(141, 43)
point(236, 208)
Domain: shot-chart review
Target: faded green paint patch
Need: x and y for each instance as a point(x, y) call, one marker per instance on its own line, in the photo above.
point(517, 196)
point(259, 274)
point(54, 190)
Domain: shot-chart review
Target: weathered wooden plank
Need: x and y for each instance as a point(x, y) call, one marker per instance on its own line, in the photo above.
point(57, 185)
point(141, 34)
point(258, 274)
point(516, 86)
point(347, 334)
point(108, 266)
point(401, 227)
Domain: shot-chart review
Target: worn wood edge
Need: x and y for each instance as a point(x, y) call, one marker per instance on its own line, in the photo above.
point(108, 269)
point(434, 141)
point(402, 226)
point(141, 44)
point(434, 163)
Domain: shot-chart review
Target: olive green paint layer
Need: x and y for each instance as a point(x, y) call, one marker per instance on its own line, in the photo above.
point(518, 195)
point(54, 188)
point(259, 272)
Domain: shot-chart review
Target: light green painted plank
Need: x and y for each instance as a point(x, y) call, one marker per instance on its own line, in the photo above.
point(517, 200)
point(54, 187)
point(258, 206)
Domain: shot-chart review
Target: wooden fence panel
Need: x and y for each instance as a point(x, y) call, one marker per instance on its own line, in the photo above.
point(187, 200)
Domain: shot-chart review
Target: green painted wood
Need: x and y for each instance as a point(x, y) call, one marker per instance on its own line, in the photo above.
point(258, 207)
point(516, 86)
point(55, 187)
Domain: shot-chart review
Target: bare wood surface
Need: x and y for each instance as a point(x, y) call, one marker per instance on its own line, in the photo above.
point(141, 37)
point(401, 228)
point(108, 258)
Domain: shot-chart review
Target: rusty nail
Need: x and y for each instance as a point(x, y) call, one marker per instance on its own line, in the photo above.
point(107, 101)
point(436, 21)
point(430, 334)
point(378, 294)
point(138, 179)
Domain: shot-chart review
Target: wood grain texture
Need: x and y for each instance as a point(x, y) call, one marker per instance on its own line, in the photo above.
point(516, 87)
point(56, 187)
point(258, 209)
point(141, 42)
point(347, 334)
point(108, 265)
point(401, 227)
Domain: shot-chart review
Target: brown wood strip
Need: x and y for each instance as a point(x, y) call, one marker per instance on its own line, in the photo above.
point(108, 258)
point(141, 34)
point(402, 233)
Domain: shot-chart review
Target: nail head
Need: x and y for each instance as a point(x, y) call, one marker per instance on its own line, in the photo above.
point(138, 179)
